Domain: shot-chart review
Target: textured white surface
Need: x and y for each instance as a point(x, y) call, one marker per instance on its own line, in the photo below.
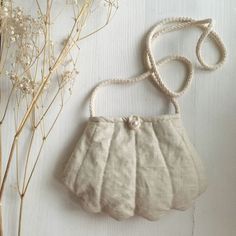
point(209, 112)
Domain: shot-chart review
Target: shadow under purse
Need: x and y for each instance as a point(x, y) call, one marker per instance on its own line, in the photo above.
point(136, 165)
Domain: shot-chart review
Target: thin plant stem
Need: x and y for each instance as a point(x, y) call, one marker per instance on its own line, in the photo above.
point(6, 108)
point(34, 166)
point(17, 169)
point(54, 122)
point(20, 214)
point(16, 116)
point(30, 108)
point(44, 81)
point(48, 108)
point(27, 158)
point(14, 142)
point(1, 220)
point(100, 28)
point(24, 189)
point(50, 68)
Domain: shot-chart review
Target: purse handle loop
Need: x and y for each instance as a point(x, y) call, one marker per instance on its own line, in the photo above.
point(166, 26)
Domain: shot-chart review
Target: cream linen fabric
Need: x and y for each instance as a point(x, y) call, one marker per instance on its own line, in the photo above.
point(145, 171)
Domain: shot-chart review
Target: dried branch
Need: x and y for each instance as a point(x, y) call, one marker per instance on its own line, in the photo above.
point(39, 79)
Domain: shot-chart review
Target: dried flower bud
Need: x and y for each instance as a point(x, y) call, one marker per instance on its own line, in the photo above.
point(26, 85)
point(66, 76)
point(14, 78)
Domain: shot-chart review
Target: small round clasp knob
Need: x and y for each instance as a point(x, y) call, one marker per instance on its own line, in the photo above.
point(134, 122)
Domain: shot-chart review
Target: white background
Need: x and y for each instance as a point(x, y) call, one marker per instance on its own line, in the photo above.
point(208, 110)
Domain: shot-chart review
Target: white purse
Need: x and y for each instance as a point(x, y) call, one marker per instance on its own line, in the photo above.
point(136, 165)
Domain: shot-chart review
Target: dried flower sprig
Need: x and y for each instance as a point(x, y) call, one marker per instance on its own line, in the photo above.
point(36, 75)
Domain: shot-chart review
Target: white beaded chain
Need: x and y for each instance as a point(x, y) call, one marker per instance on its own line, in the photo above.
point(163, 27)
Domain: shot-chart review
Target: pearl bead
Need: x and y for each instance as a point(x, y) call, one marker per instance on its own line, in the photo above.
point(134, 122)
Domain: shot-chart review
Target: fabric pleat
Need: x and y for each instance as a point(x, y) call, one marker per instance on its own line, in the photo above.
point(78, 155)
point(179, 162)
point(202, 181)
point(153, 187)
point(118, 190)
point(90, 175)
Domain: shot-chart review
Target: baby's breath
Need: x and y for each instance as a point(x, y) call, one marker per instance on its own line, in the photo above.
point(40, 73)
